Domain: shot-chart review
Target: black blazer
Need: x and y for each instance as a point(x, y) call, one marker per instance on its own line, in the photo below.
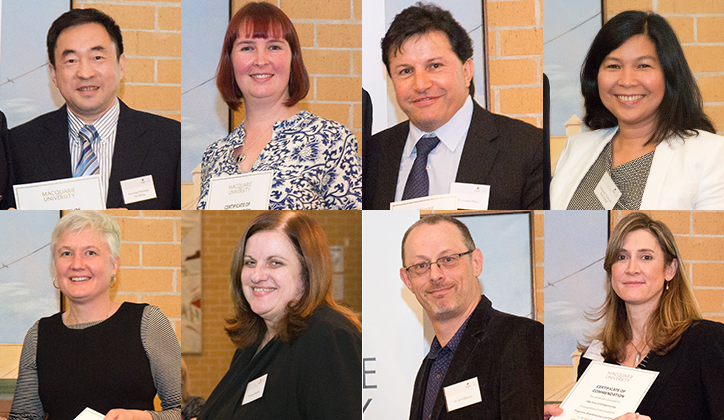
point(505, 353)
point(507, 154)
point(146, 144)
point(4, 170)
point(316, 377)
point(690, 384)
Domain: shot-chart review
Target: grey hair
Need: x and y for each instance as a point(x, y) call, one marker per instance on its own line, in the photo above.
point(95, 221)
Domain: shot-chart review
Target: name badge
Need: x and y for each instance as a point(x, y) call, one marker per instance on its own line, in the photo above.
point(82, 193)
point(432, 202)
point(254, 389)
point(607, 192)
point(471, 196)
point(462, 394)
point(138, 189)
point(240, 192)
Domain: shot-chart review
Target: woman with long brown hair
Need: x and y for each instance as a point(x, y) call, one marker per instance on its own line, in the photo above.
point(299, 353)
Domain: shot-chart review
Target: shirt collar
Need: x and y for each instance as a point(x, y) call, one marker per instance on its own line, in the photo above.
point(451, 345)
point(451, 134)
point(104, 124)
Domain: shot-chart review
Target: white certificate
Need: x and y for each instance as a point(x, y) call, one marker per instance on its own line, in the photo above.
point(82, 193)
point(89, 414)
point(471, 196)
point(606, 391)
point(240, 192)
point(433, 202)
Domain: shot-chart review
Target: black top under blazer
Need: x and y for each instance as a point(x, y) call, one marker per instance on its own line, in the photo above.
point(505, 353)
point(505, 153)
point(146, 144)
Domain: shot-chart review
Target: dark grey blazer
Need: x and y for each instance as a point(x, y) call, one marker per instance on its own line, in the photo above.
point(505, 353)
point(146, 144)
point(507, 154)
point(690, 384)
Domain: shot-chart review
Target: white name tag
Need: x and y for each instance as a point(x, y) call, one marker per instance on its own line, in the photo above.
point(462, 394)
point(240, 192)
point(82, 193)
point(471, 196)
point(607, 192)
point(254, 390)
point(433, 202)
point(138, 189)
point(89, 414)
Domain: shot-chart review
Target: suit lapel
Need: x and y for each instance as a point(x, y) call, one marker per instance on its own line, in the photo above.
point(665, 365)
point(389, 169)
point(128, 154)
point(480, 149)
point(54, 145)
point(657, 174)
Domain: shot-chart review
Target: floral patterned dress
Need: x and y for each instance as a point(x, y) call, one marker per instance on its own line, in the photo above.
point(315, 164)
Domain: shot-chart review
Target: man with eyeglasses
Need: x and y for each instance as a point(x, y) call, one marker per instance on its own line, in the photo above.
point(483, 363)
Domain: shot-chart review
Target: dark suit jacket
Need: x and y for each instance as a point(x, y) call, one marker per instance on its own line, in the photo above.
point(505, 353)
point(4, 170)
point(146, 144)
point(690, 384)
point(507, 154)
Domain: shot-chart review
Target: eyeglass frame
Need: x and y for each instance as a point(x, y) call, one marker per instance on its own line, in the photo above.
point(436, 262)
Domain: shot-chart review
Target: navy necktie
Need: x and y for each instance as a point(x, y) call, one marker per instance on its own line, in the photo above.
point(418, 183)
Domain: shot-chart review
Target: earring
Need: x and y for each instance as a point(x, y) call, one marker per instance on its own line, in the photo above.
point(667, 284)
point(55, 283)
point(113, 281)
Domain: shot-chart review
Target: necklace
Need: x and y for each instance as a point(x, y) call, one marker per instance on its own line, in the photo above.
point(638, 352)
point(242, 155)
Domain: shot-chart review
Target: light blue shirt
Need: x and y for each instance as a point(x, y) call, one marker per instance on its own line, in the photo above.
point(443, 161)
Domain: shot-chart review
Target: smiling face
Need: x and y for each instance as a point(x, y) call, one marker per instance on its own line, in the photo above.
point(87, 72)
point(631, 83)
point(444, 293)
point(84, 265)
point(271, 276)
point(431, 83)
point(262, 66)
point(640, 270)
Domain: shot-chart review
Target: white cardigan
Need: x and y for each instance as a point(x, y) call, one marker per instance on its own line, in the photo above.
point(685, 174)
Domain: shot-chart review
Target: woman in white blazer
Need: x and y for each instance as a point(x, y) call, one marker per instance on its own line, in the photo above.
point(651, 146)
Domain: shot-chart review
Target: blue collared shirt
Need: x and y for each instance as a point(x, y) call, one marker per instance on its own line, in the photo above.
point(443, 161)
point(441, 358)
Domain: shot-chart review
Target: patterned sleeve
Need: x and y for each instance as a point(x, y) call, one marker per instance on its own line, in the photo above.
point(26, 401)
point(205, 177)
point(344, 191)
point(164, 354)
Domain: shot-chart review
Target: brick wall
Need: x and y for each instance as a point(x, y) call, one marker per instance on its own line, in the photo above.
point(538, 263)
point(700, 237)
point(152, 43)
point(150, 260)
point(515, 49)
point(221, 232)
point(330, 33)
point(698, 24)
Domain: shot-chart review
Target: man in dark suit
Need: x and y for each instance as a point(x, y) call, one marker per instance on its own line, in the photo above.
point(489, 360)
point(428, 56)
point(94, 132)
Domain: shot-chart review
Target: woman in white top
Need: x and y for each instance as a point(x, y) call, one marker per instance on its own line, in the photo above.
point(651, 146)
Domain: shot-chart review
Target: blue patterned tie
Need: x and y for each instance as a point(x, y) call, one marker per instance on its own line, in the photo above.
point(88, 163)
point(418, 183)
